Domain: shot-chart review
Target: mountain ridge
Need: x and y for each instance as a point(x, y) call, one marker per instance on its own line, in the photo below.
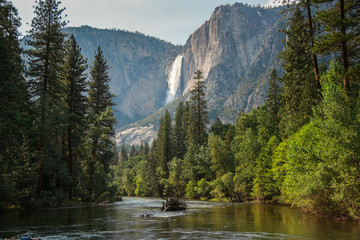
point(236, 49)
point(138, 68)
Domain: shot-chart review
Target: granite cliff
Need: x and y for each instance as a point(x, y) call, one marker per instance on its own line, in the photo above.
point(236, 49)
point(139, 68)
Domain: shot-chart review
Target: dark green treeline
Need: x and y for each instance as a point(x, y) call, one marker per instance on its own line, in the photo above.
point(56, 128)
point(302, 148)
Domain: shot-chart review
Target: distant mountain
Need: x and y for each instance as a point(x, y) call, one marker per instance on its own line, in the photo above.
point(236, 50)
point(138, 68)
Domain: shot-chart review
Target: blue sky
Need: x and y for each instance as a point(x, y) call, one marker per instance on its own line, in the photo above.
point(171, 20)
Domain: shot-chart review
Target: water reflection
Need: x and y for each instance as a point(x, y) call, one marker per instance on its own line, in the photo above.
point(203, 220)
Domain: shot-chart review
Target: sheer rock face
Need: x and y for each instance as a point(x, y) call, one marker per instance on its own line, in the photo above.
point(236, 49)
point(139, 67)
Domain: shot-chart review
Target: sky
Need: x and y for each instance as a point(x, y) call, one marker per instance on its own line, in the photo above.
point(170, 20)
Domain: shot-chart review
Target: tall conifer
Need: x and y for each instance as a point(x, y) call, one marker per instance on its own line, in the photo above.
point(45, 62)
point(101, 130)
point(341, 37)
point(123, 154)
point(198, 115)
point(179, 135)
point(14, 105)
point(273, 100)
point(299, 83)
point(74, 78)
point(164, 146)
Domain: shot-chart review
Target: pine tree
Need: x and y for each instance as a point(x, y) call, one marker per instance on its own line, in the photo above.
point(123, 154)
point(179, 135)
point(144, 150)
point(273, 100)
point(46, 49)
point(164, 146)
point(341, 37)
point(300, 93)
point(45, 62)
point(132, 152)
point(101, 121)
point(307, 5)
point(74, 78)
point(219, 129)
point(14, 108)
point(198, 115)
point(151, 165)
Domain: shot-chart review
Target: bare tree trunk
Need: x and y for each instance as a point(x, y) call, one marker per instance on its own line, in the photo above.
point(314, 56)
point(70, 163)
point(344, 50)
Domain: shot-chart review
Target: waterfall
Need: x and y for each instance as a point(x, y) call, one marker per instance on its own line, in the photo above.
point(174, 79)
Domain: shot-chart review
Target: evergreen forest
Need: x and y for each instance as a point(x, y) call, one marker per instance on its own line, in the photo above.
point(302, 148)
point(56, 127)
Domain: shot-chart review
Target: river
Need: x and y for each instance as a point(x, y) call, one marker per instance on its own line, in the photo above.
point(202, 220)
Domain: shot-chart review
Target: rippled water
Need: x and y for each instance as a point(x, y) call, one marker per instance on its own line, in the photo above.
point(203, 220)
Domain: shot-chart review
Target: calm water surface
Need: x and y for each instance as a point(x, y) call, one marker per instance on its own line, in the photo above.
point(203, 220)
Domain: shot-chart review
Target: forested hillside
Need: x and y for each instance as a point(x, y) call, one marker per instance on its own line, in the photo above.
point(301, 148)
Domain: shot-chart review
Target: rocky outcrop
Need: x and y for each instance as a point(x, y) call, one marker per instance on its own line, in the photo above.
point(135, 134)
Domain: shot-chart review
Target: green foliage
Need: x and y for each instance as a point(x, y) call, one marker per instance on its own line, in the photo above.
point(164, 146)
point(101, 122)
point(15, 114)
point(322, 168)
point(273, 100)
point(198, 114)
point(176, 180)
point(203, 188)
point(45, 61)
point(47, 48)
point(279, 167)
point(190, 189)
point(196, 164)
point(132, 152)
point(341, 37)
point(56, 142)
point(140, 190)
point(221, 157)
point(74, 79)
point(123, 154)
point(264, 183)
point(299, 83)
point(218, 128)
point(223, 188)
point(179, 131)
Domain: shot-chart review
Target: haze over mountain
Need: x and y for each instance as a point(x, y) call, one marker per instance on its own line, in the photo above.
point(139, 67)
point(236, 49)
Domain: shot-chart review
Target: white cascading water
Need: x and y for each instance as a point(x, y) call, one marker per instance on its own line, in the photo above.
point(174, 79)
